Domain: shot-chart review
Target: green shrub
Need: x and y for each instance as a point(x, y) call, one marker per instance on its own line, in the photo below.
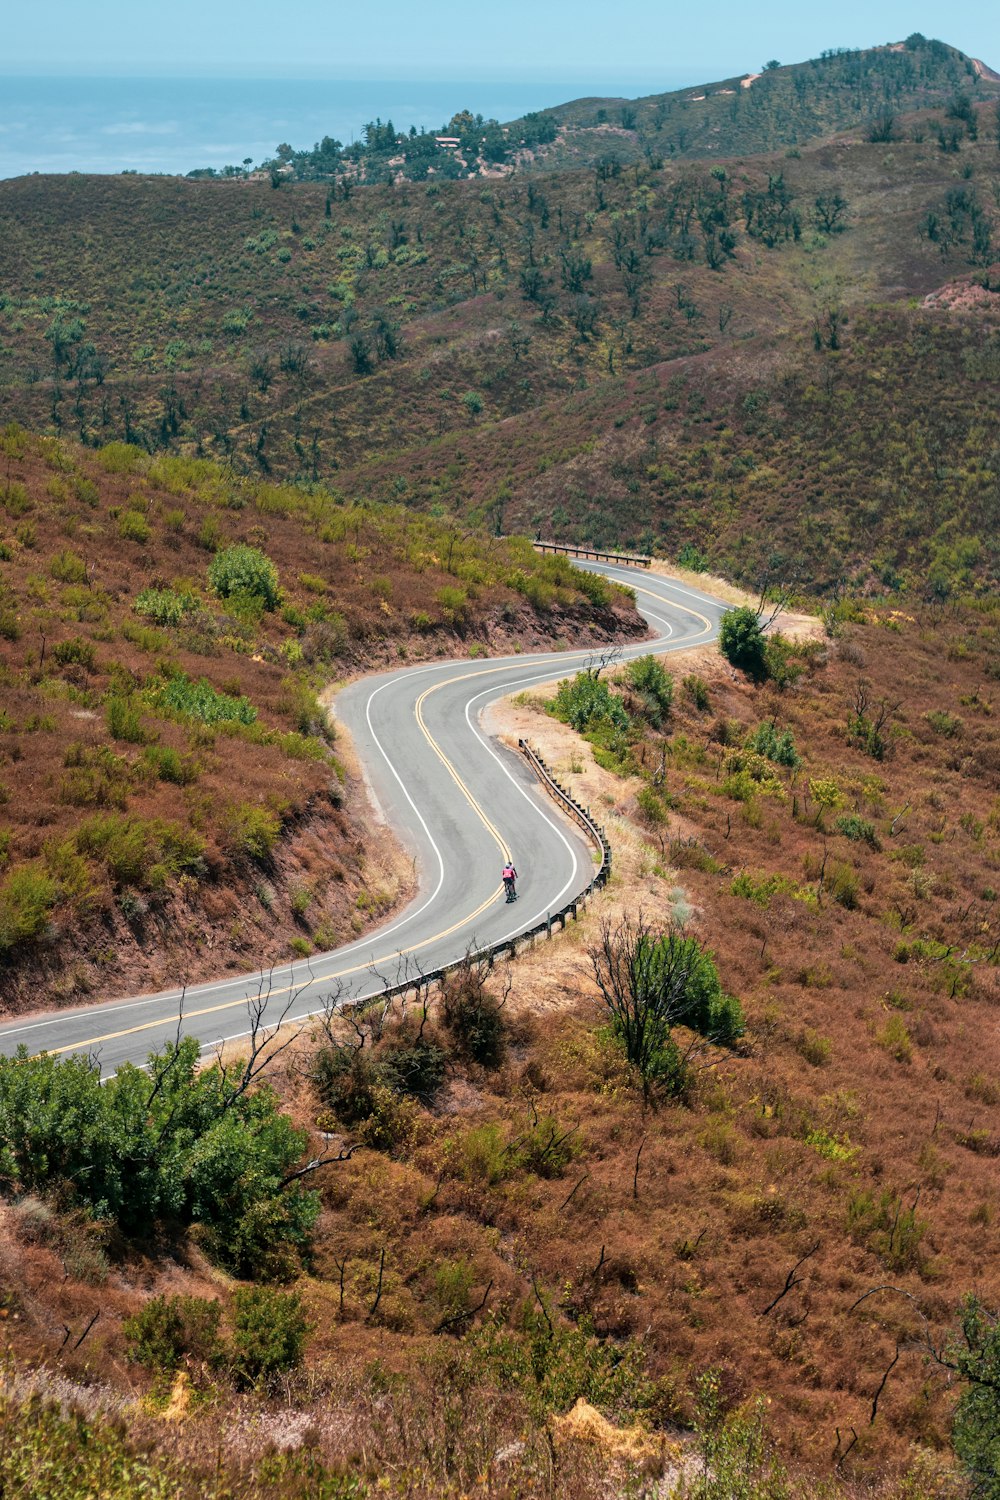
point(269, 1334)
point(975, 1353)
point(173, 1142)
point(889, 1230)
point(252, 831)
point(652, 683)
point(139, 852)
point(651, 806)
point(814, 1048)
point(165, 1329)
point(122, 458)
point(133, 527)
point(653, 985)
point(66, 567)
point(167, 764)
point(692, 558)
point(27, 896)
point(163, 606)
point(453, 603)
point(842, 883)
point(585, 701)
point(200, 700)
point(742, 641)
point(696, 691)
point(75, 652)
point(949, 725)
point(546, 1149)
point(895, 1038)
point(243, 570)
point(858, 830)
point(779, 748)
point(125, 720)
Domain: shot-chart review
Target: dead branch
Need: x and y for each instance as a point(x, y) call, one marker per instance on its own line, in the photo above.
point(378, 1294)
point(791, 1281)
point(889, 1369)
point(635, 1174)
point(545, 1311)
point(344, 1154)
point(573, 1191)
point(470, 1312)
point(342, 1269)
point(839, 1461)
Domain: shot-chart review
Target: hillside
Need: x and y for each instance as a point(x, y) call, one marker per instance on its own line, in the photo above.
point(517, 351)
point(749, 1267)
point(172, 803)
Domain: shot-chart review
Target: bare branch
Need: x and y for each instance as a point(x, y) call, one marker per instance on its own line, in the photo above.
point(791, 1281)
point(378, 1295)
point(470, 1312)
point(878, 1394)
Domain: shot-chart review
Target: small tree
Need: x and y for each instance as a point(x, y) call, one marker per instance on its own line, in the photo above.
point(245, 571)
point(650, 681)
point(742, 642)
point(651, 985)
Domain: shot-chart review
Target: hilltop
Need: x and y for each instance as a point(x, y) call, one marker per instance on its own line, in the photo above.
point(753, 113)
point(521, 350)
point(779, 107)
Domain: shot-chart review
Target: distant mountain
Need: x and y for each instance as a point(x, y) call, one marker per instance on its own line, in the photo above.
point(767, 111)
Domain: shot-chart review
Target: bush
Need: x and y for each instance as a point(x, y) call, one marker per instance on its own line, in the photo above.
point(814, 1048)
point(650, 681)
point(133, 527)
point(246, 571)
point(269, 1334)
point(585, 701)
point(27, 896)
point(696, 691)
point(779, 748)
point(200, 700)
point(125, 721)
point(165, 1329)
point(122, 458)
point(174, 1142)
point(858, 830)
point(473, 1017)
point(252, 831)
point(139, 852)
point(652, 985)
point(976, 1433)
point(66, 567)
point(163, 606)
point(75, 652)
point(742, 641)
point(169, 765)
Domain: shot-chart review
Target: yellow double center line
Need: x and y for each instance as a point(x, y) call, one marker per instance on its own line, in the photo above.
point(208, 1010)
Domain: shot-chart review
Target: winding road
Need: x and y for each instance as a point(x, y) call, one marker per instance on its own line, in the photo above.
point(461, 803)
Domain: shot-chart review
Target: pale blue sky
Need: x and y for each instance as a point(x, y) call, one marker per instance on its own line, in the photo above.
point(434, 39)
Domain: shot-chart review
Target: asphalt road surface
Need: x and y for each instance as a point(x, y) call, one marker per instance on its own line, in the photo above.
point(461, 803)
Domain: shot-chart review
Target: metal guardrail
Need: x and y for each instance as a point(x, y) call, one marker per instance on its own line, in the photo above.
point(508, 947)
point(597, 554)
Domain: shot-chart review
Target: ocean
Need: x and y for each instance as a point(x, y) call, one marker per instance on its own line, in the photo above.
point(93, 124)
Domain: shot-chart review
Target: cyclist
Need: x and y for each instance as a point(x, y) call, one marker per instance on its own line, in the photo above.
point(509, 877)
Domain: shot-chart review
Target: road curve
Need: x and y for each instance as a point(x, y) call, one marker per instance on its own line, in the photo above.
point(460, 803)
